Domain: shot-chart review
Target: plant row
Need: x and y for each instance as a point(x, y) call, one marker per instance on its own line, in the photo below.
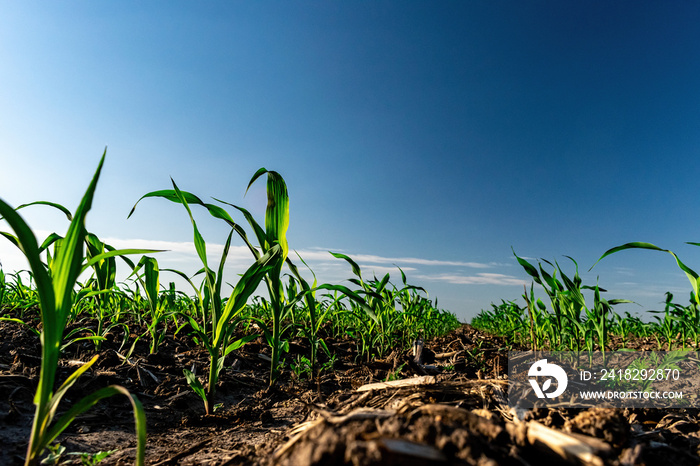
point(565, 321)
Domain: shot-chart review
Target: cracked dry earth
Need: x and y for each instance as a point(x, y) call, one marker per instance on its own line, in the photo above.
point(450, 410)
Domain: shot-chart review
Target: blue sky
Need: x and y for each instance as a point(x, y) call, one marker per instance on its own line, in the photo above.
point(430, 136)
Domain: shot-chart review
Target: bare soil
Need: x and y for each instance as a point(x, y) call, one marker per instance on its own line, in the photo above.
point(457, 416)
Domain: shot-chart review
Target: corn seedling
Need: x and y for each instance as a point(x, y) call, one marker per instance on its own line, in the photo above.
point(150, 282)
point(362, 308)
point(272, 245)
point(55, 288)
point(273, 236)
point(218, 320)
point(315, 316)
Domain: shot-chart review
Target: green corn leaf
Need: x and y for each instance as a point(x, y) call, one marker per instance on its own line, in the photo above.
point(355, 268)
point(277, 213)
point(353, 296)
point(214, 210)
point(587, 287)
point(357, 282)
point(26, 242)
point(403, 275)
point(151, 279)
point(382, 284)
point(307, 266)
point(529, 268)
point(18, 321)
point(554, 285)
point(690, 273)
point(577, 279)
point(415, 287)
point(195, 384)
point(89, 401)
point(11, 238)
point(199, 332)
point(67, 264)
point(184, 277)
point(245, 287)
point(568, 282)
point(220, 275)
point(258, 174)
point(116, 253)
point(76, 340)
point(56, 398)
point(67, 212)
point(171, 195)
point(106, 268)
point(309, 296)
point(239, 343)
point(199, 243)
point(51, 239)
point(612, 302)
point(260, 234)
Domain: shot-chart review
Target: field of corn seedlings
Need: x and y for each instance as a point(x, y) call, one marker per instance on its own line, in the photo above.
point(562, 320)
point(271, 368)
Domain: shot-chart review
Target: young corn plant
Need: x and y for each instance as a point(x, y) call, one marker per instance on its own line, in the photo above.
point(272, 241)
point(672, 323)
point(419, 316)
point(536, 310)
point(690, 321)
point(150, 282)
point(103, 285)
point(274, 236)
point(598, 322)
point(219, 320)
point(316, 315)
point(361, 307)
point(55, 287)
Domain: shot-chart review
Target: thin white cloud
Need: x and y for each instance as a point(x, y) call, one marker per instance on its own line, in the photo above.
point(318, 253)
point(500, 264)
point(367, 269)
point(417, 261)
point(478, 279)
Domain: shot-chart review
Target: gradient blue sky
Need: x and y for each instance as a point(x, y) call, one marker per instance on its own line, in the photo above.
point(433, 136)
